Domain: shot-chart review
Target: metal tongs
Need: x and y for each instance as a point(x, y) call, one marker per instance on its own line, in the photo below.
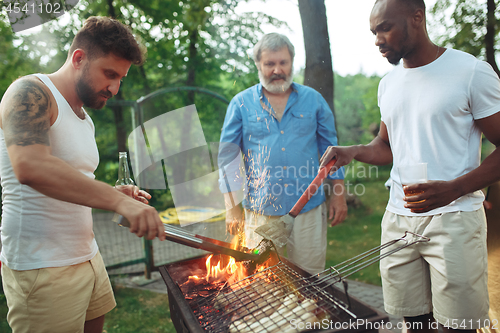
point(365, 259)
point(183, 237)
point(340, 272)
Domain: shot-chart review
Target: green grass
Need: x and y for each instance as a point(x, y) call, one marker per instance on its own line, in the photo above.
point(139, 311)
point(360, 232)
point(145, 311)
point(4, 327)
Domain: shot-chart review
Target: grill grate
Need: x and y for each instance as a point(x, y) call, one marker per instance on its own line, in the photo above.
point(269, 300)
point(275, 298)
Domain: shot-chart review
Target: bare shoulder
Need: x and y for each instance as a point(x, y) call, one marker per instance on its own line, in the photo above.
point(27, 89)
point(26, 111)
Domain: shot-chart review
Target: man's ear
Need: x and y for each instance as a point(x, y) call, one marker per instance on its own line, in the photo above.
point(78, 58)
point(418, 18)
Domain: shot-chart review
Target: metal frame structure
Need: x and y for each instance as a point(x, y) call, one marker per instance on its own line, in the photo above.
point(138, 120)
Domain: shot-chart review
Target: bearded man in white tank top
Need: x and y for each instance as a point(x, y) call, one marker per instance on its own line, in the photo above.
point(433, 110)
point(53, 275)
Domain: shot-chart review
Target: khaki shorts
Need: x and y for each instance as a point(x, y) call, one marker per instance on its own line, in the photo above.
point(306, 246)
point(57, 299)
point(446, 276)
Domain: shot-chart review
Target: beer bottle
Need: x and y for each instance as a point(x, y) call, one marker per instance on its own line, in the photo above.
point(123, 179)
point(123, 170)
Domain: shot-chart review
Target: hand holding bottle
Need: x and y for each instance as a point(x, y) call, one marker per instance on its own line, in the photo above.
point(134, 192)
point(144, 220)
point(126, 184)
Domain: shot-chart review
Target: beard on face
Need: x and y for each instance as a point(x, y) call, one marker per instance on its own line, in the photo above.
point(398, 55)
point(396, 58)
point(276, 87)
point(87, 94)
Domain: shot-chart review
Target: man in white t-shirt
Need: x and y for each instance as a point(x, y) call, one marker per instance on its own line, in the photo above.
point(434, 108)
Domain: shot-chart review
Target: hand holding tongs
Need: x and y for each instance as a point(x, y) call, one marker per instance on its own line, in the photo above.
point(183, 237)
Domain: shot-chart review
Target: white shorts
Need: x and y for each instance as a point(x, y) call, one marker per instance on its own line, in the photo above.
point(446, 276)
point(57, 299)
point(306, 246)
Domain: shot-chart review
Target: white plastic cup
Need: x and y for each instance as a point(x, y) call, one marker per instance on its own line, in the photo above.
point(412, 174)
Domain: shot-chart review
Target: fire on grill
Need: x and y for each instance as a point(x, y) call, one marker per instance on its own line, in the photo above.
point(216, 294)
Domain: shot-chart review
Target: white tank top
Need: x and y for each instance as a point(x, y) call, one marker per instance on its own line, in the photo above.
point(39, 231)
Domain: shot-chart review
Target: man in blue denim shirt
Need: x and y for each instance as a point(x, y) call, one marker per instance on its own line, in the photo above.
point(282, 128)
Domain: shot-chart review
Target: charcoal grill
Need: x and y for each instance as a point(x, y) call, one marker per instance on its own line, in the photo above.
point(280, 298)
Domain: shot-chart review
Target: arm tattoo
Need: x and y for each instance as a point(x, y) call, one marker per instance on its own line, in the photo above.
point(27, 121)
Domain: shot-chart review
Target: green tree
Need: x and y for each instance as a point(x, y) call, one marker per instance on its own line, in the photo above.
point(473, 26)
point(201, 43)
point(357, 112)
point(15, 59)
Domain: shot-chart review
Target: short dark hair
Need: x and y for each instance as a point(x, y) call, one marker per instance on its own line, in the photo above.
point(102, 35)
point(411, 5)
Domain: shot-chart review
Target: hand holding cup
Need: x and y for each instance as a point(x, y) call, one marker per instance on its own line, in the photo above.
point(412, 174)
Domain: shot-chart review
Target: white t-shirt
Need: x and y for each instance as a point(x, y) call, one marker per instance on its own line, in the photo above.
point(429, 112)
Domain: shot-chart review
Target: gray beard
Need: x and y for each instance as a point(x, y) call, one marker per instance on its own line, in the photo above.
point(276, 88)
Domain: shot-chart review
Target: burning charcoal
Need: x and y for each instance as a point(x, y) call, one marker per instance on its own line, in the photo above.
point(204, 293)
point(195, 285)
point(225, 298)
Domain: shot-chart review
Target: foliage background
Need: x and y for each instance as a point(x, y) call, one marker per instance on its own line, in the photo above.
point(201, 43)
point(204, 43)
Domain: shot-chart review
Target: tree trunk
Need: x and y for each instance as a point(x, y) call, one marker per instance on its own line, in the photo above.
point(111, 9)
point(319, 69)
point(186, 172)
point(147, 88)
point(121, 132)
point(193, 63)
point(489, 38)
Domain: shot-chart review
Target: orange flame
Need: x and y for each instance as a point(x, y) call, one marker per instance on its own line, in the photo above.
point(216, 273)
point(233, 271)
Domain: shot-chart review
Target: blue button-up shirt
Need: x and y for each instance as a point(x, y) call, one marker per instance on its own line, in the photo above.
point(281, 157)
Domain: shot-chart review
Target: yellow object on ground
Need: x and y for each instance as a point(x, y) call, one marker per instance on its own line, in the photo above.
point(191, 214)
